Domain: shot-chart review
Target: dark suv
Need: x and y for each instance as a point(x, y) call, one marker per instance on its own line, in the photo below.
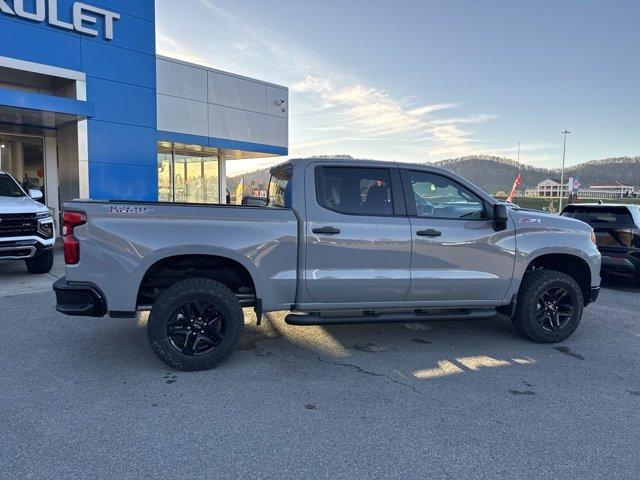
point(617, 230)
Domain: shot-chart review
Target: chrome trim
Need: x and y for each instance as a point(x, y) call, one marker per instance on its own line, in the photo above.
point(20, 247)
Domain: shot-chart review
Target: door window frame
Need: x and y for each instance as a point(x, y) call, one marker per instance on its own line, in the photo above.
point(410, 201)
point(397, 194)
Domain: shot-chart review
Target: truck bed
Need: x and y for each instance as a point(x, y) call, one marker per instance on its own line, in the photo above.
point(122, 241)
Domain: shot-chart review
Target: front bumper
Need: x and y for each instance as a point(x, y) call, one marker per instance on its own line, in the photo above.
point(22, 249)
point(79, 299)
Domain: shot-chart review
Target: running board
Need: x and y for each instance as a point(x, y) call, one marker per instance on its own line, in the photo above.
point(390, 317)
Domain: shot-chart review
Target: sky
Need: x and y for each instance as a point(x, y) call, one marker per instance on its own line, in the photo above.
point(422, 81)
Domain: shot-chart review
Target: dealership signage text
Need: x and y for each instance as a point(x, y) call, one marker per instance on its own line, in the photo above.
point(84, 16)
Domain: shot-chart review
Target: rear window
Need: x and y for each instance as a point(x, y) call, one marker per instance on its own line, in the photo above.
point(598, 215)
point(280, 188)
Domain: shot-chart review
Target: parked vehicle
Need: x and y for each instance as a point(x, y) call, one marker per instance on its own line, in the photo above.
point(388, 241)
point(26, 226)
point(617, 230)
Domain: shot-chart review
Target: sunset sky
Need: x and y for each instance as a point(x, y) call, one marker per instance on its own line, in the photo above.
point(422, 81)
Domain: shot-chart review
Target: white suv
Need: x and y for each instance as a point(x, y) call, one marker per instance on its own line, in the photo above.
point(27, 230)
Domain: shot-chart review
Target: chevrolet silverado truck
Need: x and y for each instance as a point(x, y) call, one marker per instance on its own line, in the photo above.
point(27, 231)
point(340, 241)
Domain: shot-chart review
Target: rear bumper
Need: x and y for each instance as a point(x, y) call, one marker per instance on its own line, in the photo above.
point(79, 299)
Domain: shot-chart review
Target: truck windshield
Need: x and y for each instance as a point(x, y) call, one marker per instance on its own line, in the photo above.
point(280, 188)
point(9, 188)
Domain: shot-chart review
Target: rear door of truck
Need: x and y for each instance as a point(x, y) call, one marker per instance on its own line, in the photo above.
point(358, 237)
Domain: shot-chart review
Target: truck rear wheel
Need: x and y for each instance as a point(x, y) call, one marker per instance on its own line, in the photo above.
point(195, 324)
point(41, 263)
point(549, 307)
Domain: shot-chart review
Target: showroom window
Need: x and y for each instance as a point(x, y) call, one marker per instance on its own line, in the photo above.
point(188, 174)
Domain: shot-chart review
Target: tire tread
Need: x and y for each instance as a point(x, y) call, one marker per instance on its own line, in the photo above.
point(523, 322)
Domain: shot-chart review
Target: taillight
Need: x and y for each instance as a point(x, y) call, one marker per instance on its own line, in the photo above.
point(71, 220)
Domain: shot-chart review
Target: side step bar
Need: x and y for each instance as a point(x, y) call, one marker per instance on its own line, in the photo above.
point(390, 317)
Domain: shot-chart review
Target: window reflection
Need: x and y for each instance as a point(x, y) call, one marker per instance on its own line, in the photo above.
point(189, 177)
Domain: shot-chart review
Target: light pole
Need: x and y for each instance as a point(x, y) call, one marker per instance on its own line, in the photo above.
point(564, 152)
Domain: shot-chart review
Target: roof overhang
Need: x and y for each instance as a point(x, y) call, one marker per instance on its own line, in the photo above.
point(36, 110)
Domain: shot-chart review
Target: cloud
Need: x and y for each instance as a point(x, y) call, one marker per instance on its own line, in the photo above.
point(331, 109)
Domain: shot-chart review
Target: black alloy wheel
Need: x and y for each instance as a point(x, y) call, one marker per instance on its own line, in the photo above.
point(554, 309)
point(196, 328)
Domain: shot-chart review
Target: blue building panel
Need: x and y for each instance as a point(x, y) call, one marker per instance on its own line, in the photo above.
point(33, 43)
point(113, 181)
point(122, 103)
point(130, 32)
point(122, 144)
point(142, 9)
point(117, 64)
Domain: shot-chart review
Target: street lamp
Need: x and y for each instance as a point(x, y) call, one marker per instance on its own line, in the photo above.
point(564, 152)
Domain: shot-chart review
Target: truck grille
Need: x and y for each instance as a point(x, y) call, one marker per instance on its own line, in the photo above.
point(18, 225)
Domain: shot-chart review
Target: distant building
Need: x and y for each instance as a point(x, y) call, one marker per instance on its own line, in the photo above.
point(608, 190)
point(551, 188)
point(548, 188)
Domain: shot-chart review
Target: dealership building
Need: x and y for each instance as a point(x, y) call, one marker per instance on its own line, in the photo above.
point(89, 110)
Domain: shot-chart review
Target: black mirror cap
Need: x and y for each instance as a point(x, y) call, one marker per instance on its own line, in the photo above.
point(500, 217)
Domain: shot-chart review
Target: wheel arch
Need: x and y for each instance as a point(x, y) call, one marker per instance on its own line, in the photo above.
point(568, 263)
point(234, 271)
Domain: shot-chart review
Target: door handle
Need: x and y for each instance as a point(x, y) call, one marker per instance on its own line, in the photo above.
point(429, 232)
point(326, 231)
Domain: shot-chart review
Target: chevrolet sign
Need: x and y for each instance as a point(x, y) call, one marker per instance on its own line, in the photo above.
point(84, 16)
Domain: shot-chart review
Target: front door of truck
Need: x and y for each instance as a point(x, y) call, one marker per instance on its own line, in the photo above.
point(358, 237)
point(457, 254)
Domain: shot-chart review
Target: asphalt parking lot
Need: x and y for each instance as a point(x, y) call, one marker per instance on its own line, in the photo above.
point(86, 398)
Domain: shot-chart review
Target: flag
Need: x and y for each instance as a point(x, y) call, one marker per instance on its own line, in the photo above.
point(514, 190)
point(240, 191)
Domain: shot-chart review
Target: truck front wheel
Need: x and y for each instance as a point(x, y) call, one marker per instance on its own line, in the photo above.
point(41, 263)
point(195, 324)
point(549, 307)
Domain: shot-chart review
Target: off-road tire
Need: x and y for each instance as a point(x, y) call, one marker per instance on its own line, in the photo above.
point(41, 263)
point(533, 285)
point(176, 295)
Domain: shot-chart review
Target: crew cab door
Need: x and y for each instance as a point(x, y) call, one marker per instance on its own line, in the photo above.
point(457, 254)
point(358, 237)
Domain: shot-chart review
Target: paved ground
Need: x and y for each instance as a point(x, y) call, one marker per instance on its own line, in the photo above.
point(86, 398)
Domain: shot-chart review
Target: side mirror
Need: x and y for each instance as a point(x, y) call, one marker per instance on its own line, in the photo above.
point(35, 194)
point(500, 217)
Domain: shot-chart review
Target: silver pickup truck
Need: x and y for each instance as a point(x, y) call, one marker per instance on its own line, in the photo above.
point(340, 241)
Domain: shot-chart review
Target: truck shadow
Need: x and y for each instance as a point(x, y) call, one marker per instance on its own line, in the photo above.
point(405, 352)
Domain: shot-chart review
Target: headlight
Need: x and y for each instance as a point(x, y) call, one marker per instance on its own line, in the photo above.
point(45, 226)
point(592, 236)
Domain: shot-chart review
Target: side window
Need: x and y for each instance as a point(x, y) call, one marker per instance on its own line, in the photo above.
point(439, 197)
point(354, 190)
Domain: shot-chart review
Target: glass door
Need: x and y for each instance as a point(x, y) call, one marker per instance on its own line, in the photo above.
point(22, 157)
